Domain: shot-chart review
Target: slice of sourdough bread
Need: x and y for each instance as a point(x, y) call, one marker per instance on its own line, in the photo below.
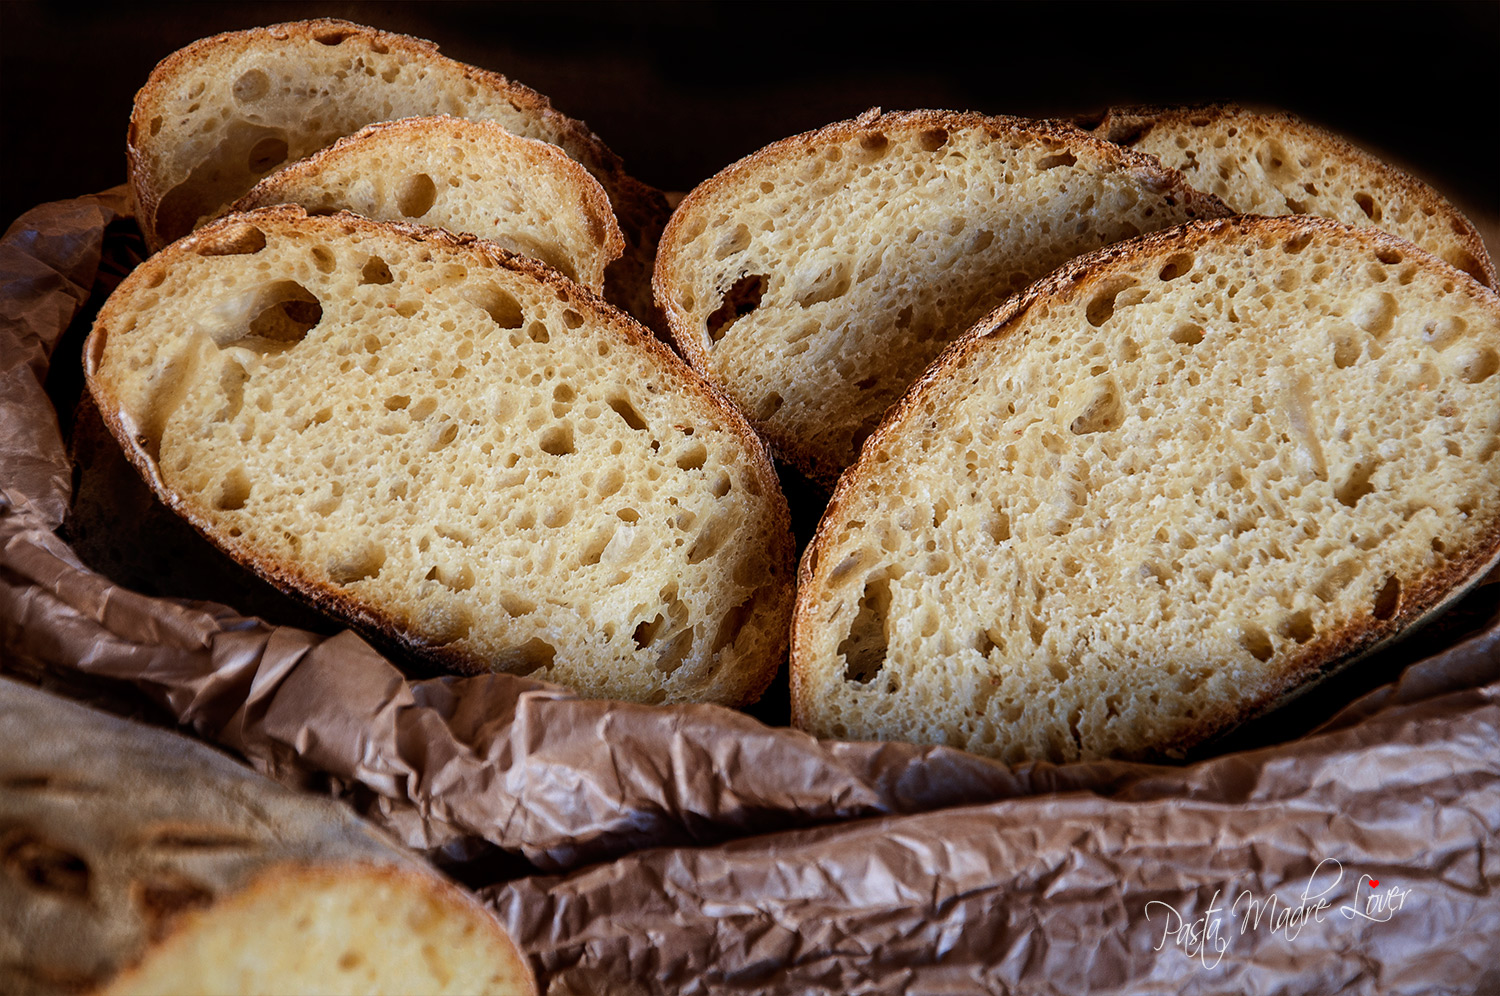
point(217, 116)
point(1276, 164)
point(1157, 493)
point(455, 448)
point(142, 861)
point(815, 279)
point(465, 176)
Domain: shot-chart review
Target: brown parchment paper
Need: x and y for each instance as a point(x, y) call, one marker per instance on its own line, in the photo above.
point(694, 849)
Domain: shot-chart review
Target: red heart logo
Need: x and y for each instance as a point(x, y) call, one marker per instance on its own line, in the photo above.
point(1374, 882)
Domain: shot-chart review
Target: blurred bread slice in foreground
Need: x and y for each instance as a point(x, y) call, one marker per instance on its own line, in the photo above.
point(1156, 494)
point(145, 862)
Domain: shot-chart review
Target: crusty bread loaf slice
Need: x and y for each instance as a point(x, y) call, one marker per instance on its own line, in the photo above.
point(140, 861)
point(465, 176)
point(1158, 492)
point(455, 448)
point(1275, 164)
point(815, 279)
point(217, 116)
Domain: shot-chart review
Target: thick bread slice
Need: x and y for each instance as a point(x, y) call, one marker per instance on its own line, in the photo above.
point(220, 114)
point(1158, 492)
point(1276, 164)
point(455, 447)
point(815, 279)
point(465, 176)
point(140, 861)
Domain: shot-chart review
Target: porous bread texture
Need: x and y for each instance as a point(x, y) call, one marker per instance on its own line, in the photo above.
point(217, 116)
point(815, 279)
point(465, 176)
point(1156, 494)
point(453, 447)
point(145, 862)
point(1277, 164)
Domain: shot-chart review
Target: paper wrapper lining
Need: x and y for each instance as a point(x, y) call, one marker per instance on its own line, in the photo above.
point(694, 849)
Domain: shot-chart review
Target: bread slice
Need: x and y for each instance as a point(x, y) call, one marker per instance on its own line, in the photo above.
point(217, 116)
point(815, 279)
point(465, 176)
point(1276, 164)
point(142, 861)
point(453, 448)
point(1157, 493)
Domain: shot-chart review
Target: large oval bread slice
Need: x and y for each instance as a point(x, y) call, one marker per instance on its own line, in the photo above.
point(455, 447)
point(1157, 493)
point(140, 861)
point(217, 116)
point(465, 176)
point(1275, 164)
point(815, 279)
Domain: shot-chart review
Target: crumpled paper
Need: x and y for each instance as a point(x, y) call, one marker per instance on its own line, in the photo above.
point(694, 849)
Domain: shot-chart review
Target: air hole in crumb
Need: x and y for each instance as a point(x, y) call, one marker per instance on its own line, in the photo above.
point(1357, 484)
point(1056, 159)
point(646, 631)
point(1478, 366)
point(1297, 242)
point(1187, 335)
point(710, 539)
point(415, 195)
point(1388, 598)
point(460, 578)
point(252, 85)
point(737, 241)
point(743, 297)
point(1298, 626)
point(1103, 413)
point(537, 333)
point(693, 457)
point(1257, 642)
point(1177, 265)
point(234, 491)
point(359, 564)
point(375, 271)
point(235, 240)
point(284, 313)
point(267, 154)
point(1368, 206)
point(864, 649)
point(769, 406)
point(350, 960)
point(1389, 257)
point(572, 319)
point(1102, 305)
point(557, 440)
point(933, 139)
point(627, 411)
point(396, 402)
point(530, 656)
point(1345, 350)
point(502, 307)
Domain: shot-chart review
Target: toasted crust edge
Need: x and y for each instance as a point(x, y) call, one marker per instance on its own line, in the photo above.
point(382, 629)
point(1428, 596)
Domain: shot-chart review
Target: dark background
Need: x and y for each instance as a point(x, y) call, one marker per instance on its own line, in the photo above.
point(681, 89)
